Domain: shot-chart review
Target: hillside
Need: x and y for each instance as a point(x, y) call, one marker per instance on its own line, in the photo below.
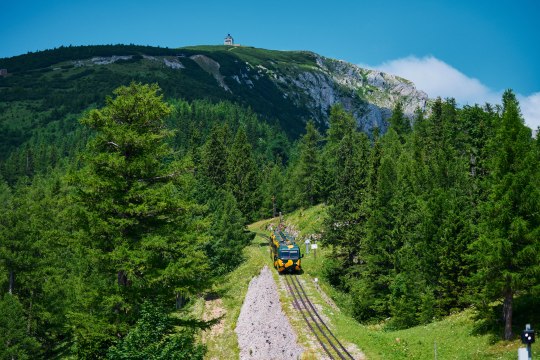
point(287, 87)
point(119, 215)
point(455, 336)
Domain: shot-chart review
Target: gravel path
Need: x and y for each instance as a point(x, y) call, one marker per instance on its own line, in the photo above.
point(263, 330)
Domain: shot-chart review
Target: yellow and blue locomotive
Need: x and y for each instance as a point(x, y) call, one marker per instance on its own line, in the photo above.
point(285, 252)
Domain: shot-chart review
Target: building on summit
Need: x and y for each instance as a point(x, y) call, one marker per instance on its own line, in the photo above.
point(228, 40)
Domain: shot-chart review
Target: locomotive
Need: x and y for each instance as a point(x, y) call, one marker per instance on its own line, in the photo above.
point(285, 252)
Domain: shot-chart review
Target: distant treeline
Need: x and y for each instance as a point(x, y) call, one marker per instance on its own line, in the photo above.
point(46, 58)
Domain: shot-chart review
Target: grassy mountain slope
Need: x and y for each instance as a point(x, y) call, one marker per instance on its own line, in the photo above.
point(284, 87)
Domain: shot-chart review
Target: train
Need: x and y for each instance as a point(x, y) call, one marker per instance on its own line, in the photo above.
point(285, 252)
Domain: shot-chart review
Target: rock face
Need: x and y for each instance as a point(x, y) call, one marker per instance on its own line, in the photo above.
point(263, 330)
point(211, 67)
point(370, 95)
point(292, 86)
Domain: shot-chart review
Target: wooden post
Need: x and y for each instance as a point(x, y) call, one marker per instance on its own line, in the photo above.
point(273, 205)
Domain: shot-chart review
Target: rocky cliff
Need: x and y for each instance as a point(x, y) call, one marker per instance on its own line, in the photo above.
point(319, 82)
point(290, 87)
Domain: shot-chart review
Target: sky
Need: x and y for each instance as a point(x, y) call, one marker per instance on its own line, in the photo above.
point(471, 50)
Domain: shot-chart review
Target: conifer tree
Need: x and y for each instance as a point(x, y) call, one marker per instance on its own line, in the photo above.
point(507, 251)
point(141, 227)
point(308, 172)
point(341, 123)
point(242, 177)
point(15, 342)
point(229, 235)
point(399, 122)
point(214, 157)
point(344, 227)
point(272, 190)
point(380, 243)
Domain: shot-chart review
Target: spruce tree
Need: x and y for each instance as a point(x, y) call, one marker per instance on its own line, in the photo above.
point(344, 227)
point(214, 157)
point(242, 176)
point(399, 122)
point(507, 251)
point(140, 223)
point(15, 342)
point(380, 244)
point(341, 124)
point(308, 172)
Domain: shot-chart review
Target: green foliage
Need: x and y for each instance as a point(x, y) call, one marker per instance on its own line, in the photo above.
point(53, 87)
point(142, 227)
point(229, 235)
point(242, 175)
point(307, 172)
point(272, 192)
point(421, 221)
point(347, 212)
point(15, 343)
point(83, 256)
point(214, 157)
point(403, 213)
point(399, 122)
point(341, 124)
point(155, 337)
point(507, 250)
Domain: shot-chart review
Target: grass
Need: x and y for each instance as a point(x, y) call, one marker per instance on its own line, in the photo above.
point(453, 337)
point(232, 291)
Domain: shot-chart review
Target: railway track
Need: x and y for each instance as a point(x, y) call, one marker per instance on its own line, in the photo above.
point(330, 344)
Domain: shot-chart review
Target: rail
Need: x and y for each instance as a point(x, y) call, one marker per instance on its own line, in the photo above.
point(330, 344)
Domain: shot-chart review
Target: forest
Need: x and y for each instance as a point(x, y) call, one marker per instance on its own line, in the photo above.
point(141, 204)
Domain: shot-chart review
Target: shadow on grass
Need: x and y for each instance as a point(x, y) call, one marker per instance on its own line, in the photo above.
point(526, 310)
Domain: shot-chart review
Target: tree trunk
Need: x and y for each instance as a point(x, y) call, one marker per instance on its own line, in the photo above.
point(507, 313)
point(29, 322)
point(11, 281)
point(122, 278)
point(180, 301)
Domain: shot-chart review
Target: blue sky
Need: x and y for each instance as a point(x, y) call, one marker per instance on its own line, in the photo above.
point(471, 50)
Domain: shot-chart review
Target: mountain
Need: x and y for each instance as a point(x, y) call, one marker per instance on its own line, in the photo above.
point(287, 87)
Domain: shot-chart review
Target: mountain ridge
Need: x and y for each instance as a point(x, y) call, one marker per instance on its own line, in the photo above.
point(289, 87)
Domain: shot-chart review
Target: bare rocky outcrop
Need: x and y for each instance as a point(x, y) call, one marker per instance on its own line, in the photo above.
point(368, 94)
point(312, 86)
point(212, 67)
point(263, 330)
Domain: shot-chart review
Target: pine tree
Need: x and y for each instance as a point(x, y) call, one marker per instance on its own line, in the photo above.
point(399, 122)
point(341, 124)
point(344, 227)
point(15, 343)
point(141, 226)
point(242, 179)
point(214, 157)
point(308, 172)
point(507, 251)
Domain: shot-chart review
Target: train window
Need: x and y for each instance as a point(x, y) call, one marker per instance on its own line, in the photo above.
point(289, 254)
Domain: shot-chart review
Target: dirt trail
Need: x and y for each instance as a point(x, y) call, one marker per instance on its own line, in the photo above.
point(263, 330)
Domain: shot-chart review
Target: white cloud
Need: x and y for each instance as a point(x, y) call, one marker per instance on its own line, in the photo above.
point(437, 78)
point(530, 108)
